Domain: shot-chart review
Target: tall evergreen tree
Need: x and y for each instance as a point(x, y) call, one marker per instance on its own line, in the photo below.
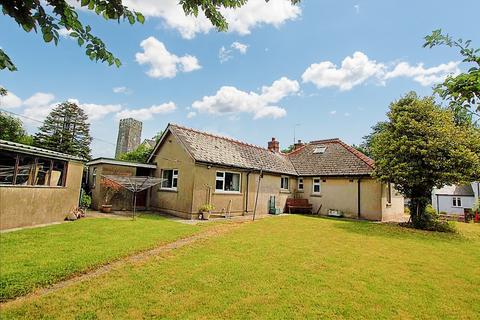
point(66, 129)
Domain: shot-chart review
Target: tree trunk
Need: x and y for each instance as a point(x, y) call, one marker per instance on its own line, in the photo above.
point(418, 204)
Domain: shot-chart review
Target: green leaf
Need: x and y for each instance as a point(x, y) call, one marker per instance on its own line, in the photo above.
point(80, 42)
point(118, 63)
point(140, 17)
point(131, 19)
point(47, 37)
point(85, 2)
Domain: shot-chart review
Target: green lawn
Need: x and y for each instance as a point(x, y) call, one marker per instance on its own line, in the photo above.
point(41, 256)
point(286, 267)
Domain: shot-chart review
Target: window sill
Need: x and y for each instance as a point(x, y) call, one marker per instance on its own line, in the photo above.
point(316, 195)
point(167, 190)
point(285, 191)
point(228, 192)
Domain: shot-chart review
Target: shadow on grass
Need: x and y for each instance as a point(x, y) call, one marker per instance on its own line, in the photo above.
point(388, 230)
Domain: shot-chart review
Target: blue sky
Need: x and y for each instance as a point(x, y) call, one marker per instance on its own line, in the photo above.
point(329, 67)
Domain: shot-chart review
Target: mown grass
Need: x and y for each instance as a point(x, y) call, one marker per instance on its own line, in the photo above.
point(286, 267)
point(38, 257)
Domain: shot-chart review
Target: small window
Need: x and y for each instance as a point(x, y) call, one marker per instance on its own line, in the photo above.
point(457, 201)
point(94, 177)
point(25, 170)
point(316, 185)
point(42, 172)
point(170, 179)
point(284, 183)
point(320, 149)
point(300, 184)
point(227, 181)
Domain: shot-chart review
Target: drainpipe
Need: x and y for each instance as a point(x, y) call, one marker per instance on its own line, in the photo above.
point(359, 201)
point(246, 194)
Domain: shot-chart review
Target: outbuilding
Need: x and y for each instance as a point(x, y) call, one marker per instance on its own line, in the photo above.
point(37, 186)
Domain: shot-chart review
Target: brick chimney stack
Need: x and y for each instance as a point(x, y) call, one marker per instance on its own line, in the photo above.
point(297, 145)
point(274, 145)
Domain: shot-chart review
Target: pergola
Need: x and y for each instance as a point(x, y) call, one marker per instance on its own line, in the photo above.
point(134, 184)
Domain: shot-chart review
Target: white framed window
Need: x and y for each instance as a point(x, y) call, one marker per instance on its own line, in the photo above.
point(457, 202)
point(284, 183)
point(227, 181)
point(170, 179)
point(300, 184)
point(316, 186)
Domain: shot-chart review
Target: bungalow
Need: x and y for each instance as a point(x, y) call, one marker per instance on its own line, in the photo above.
point(37, 186)
point(455, 199)
point(199, 168)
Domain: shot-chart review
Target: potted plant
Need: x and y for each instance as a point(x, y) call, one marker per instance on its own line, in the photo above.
point(205, 211)
point(110, 188)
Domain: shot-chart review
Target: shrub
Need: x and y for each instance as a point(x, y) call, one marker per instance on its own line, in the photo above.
point(86, 200)
point(206, 207)
point(432, 213)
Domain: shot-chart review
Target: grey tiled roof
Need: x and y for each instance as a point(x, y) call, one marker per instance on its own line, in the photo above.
point(208, 148)
point(457, 190)
point(338, 159)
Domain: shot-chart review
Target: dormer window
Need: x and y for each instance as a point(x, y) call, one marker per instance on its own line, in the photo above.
point(319, 150)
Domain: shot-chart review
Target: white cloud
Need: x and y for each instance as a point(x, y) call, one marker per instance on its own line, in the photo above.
point(241, 47)
point(122, 89)
point(230, 101)
point(147, 113)
point(39, 105)
point(39, 99)
point(424, 76)
point(191, 114)
point(254, 13)
point(333, 112)
point(357, 8)
point(353, 71)
point(97, 111)
point(225, 54)
point(164, 64)
point(358, 68)
point(347, 114)
point(10, 100)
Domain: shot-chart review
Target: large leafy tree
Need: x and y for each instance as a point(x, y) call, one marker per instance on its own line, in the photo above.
point(140, 154)
point(461, 91)
point(420, 147)
point(12, 129)
point(49, 16)
point(66, 129)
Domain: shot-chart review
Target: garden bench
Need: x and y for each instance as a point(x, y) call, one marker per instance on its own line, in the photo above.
point(298, 206)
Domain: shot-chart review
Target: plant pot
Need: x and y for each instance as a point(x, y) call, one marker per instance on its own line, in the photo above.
point(205, 215)
point(106, 208)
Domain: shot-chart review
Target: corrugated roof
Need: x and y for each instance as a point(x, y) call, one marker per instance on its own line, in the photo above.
point(337, 159)
point(23, 148)
point(209, 148)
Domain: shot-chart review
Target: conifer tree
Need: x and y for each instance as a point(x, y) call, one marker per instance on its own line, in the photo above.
point(66, 129)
